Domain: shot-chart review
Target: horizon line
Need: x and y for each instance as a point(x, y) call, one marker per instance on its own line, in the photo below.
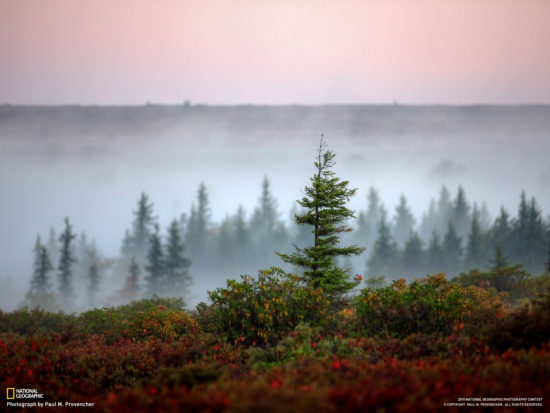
point(187, 103)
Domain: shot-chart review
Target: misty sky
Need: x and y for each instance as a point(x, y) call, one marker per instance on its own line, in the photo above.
point(274, 51)
point(312, 52)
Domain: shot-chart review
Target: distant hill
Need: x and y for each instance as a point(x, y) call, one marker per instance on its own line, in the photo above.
point(289, 121)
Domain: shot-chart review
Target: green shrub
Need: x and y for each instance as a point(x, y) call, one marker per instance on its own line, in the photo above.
point(262, 310)
point(139, 321)
point(27, 322)
point(429, 305)
point(520, 285)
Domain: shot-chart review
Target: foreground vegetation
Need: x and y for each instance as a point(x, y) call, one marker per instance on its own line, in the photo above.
point(272, 343)
point(279, 342)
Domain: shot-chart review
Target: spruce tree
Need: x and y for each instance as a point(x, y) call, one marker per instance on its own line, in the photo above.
point(383, 259)
point(413, 257)
point(452, 250)
point(196, 236)
point(403, 222)
point(93, 286)
point(325, 212)
point(66, 260)
point(176, 264)
point(501, 232)
point(155, 265)
point(499, 261)
point(460, 213)
point(436, 262)
point(475, 245)
point(39, 294)
point(136, 243)
point(429, 222)
point(444, 210)
point(264, 222)
point(368, 221)
point(242, 233)
point(131, 290)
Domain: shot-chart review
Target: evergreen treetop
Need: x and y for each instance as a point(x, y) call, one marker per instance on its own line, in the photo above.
point(66, 260)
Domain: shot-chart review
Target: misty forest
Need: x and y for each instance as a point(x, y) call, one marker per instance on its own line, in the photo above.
point(454, 236)
point(349, 299)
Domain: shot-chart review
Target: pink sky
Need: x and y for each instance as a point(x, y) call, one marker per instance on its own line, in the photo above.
point(274, 51)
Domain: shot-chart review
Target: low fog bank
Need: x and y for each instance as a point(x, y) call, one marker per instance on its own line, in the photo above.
point(92, 163)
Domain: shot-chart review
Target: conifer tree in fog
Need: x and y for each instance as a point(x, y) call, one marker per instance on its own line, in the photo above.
point(475, 253)
point(368, 221)
point(500, 234)
point(528, 241)
point(53, 246)
point(403, 222)
point(384, 255)
point(196, 237)
point(435, 254)
point(130, 290)
point(499, 260)
point(155, 265)
point(264, 222)
point(325, 213)
point(444, 210)
point(413, 262)
point(93, 286)
point(452, 251)
point(176, 265)
point(137, 244)
point(66, 261)
point(461, 213)
point(39, 294)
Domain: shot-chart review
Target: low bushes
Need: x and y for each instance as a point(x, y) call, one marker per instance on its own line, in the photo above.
point(262, 310)
point(431, 306)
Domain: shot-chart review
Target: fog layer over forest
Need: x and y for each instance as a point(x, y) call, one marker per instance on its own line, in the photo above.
point(92, 164)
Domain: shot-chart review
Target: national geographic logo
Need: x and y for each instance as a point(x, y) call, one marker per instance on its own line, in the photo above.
point(13, 393)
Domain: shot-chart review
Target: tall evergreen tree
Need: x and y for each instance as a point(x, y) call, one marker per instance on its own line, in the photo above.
point(197, 228)
point(137, 244)
point(452, 250)
point(66, 260)
point(326, 212)
point(176, 264)
point(242, 233)
point(413, 260)
point(528, 230)
point(155, 266)
point(264, 223)
point(384, 255)
point(131, 290)
point(499, 261)
point(39, 294)
point(93, 286)
point(475, 254)
point(429, 222)
point(53, 246)
point(461, 213)
point(436, 262)
point(501, 232)
point(403, 222)
point(444, 210)
point(368, 221)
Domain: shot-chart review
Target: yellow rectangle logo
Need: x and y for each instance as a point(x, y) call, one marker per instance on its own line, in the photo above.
point(10, 390)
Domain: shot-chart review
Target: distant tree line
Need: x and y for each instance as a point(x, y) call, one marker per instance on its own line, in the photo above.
point(453, 236)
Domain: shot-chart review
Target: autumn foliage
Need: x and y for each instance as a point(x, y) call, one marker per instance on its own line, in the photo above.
point(272, 343)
